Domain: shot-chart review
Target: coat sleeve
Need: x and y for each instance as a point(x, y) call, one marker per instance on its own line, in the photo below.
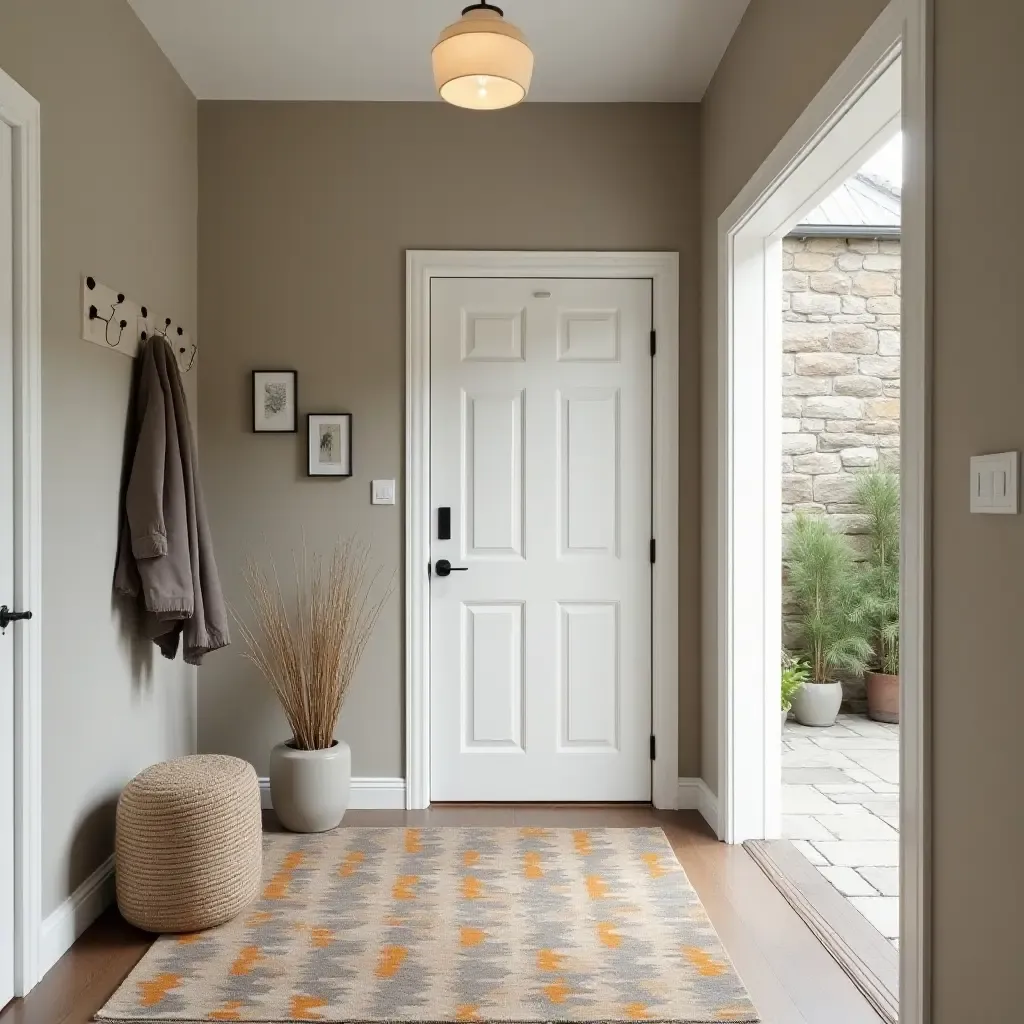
point(144, 498)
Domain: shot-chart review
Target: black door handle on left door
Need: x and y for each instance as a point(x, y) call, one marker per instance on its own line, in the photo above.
point(444, 568)
point(7, 616)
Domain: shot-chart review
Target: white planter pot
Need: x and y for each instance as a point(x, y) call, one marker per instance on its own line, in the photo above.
point(785, 715)
point(817, 704)
point(310, 788)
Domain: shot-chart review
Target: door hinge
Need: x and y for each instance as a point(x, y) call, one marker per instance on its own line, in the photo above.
point(428, 570)
point(652, 747)
point(654, 342)
point(653, 553)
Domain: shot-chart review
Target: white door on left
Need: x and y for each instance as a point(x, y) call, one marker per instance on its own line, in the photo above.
point(6, 568)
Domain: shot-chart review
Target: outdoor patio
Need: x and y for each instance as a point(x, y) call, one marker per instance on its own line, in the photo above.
point(840, 805)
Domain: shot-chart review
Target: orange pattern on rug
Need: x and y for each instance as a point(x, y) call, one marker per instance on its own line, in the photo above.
point(450, 925)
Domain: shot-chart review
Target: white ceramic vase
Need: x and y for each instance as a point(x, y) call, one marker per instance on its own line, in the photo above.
point(817, 704)
point(310, 788)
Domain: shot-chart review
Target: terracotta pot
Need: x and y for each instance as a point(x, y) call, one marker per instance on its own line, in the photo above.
point(883, 696)
point(817, 704)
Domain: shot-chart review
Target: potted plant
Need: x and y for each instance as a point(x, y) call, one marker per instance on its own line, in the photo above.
point(831, 629)
point(794, 674)
point(879, 495)
point(309, 652)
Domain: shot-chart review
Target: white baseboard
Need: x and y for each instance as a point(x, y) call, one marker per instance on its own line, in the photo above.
point(367, 795)
point(694, 795)
point(61, 928)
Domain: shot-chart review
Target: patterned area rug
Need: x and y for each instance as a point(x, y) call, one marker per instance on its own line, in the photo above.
point(451, 924)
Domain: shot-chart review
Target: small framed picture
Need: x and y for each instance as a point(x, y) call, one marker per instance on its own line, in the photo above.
point(275, 401)
point(330, 443)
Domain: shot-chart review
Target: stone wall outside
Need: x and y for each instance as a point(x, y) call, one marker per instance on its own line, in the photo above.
point(840, 375)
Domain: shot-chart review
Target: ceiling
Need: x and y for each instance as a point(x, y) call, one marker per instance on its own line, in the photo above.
point(586, 50)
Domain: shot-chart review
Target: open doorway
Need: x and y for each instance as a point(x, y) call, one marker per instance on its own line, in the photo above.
point(841, 281)
point(877, 91)
point(841, 382)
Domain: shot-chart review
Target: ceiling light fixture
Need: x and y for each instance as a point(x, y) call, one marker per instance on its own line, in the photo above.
point(482, 62)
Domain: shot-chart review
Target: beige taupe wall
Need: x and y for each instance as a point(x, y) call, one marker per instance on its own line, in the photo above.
point(306, 211)
point(977, 699)
point(977, 561)
point(119, 198)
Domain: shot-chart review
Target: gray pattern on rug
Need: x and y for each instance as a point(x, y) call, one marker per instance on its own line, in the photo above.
point(439, 925)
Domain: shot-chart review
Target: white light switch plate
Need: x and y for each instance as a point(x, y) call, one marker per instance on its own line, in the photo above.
point(383, 492)
point(994, 483)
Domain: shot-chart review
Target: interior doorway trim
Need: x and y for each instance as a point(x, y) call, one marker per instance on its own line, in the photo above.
point(893, 57)
point(858, 109)
point(21, 111)
point(662, 268)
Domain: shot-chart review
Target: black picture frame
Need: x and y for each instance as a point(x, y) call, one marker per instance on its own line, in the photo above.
point(338, 465)
point(290, 378)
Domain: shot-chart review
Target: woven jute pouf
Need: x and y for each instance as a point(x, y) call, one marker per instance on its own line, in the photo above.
point(189, 843)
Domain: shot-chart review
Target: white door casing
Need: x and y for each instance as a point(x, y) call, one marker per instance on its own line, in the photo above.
point(19, 116)
point(887, 78)
point(853, 116)
point(6, 566)
point(662, 269)
point(541, 448)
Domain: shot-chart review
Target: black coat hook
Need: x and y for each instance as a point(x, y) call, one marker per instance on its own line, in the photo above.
point(94, 314)
point(191, 358)
point(181, 348)
point(114, 323)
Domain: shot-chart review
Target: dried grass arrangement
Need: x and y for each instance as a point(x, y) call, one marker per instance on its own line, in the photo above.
point(309, 651)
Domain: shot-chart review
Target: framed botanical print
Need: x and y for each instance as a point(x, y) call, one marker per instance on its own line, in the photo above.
point(275, 401)
point(330, 443)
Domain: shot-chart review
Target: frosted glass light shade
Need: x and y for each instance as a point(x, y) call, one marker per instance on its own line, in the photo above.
point(482, 62)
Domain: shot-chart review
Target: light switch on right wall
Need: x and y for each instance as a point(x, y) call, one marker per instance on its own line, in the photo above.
point(994, 483)
point(382, 492)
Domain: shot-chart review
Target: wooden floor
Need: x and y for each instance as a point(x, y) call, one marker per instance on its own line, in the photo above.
point(790, 977)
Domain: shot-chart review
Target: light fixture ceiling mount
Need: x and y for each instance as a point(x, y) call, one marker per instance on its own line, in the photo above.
point(482, 62)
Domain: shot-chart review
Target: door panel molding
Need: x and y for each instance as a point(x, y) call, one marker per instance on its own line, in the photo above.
point(593, 341)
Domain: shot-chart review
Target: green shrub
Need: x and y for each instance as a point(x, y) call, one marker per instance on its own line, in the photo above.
point(795, 672)
point(832, 629)
point(879, 495)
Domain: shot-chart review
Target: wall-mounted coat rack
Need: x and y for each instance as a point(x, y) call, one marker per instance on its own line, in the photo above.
point(112, 321)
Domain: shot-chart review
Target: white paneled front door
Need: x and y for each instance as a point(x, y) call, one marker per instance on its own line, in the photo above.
point(540, 448)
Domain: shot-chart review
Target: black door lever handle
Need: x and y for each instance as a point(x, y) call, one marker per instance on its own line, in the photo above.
point(7, 616)
point(444, 568)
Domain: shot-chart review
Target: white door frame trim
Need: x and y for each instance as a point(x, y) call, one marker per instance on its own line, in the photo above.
point(749, 477)
point(21, 111)
point(859, 104)
point(662, 268)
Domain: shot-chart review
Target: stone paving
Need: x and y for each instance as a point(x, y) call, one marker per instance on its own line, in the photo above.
point(840, 808)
